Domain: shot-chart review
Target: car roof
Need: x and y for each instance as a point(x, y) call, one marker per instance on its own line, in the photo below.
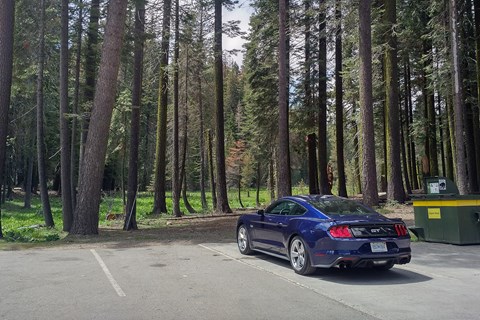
point(312, 197)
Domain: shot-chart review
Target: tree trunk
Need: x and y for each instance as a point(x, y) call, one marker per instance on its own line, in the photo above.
point(67, 205)
point(413, 159)
point(76, 102)
point(440, 125)
point(160, 205)
point(312, 164)
point(7, 14)
point(395, 189)
point(131, 212)
point(284, 187)
point(476, 116)
point(212, 171)
point(356, 143)
point(322, 102)
point(201, 137)
point(42, 176)
point(183, 176)
point(222, 197)
point(308, 105)
point(404, 160)
point(342, 184)
point(308, 66)
point(462, 179)
point(471, 113)
point(176, 182)
point(86, 213)
point(369, 171)
point(271, 178)
point(28, 188)
point(447, 141)
point(406, 134)
point(257, 195)
point(429, 96)
point(91, 63)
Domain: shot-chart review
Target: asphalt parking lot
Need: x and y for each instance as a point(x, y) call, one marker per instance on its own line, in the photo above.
point(213, 281)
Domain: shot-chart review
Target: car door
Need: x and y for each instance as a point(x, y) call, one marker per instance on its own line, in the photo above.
point(269, 231)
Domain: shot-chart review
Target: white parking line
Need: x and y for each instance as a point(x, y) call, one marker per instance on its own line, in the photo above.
point(108, 274)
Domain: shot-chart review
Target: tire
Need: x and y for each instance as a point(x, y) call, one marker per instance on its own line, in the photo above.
point(299, 258)
point(243, 240)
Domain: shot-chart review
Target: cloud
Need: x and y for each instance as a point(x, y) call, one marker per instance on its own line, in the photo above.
point(242, 12)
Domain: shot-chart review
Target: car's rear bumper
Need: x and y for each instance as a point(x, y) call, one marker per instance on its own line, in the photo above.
point(357, 254)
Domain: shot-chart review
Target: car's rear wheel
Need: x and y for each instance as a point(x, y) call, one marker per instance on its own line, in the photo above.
point(299, 258)
point(243, 240)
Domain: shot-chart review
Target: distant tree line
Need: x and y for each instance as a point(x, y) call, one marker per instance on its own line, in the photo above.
point(347, 97)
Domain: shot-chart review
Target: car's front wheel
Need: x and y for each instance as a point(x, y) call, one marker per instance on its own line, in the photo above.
point(243, 241)
point(299, 258)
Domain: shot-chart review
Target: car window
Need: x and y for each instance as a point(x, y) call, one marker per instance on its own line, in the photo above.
point(279, 208)
point(340, 207)
point(297, 210)
point(286, 208)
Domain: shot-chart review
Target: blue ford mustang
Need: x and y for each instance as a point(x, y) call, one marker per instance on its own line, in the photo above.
point(324, 231)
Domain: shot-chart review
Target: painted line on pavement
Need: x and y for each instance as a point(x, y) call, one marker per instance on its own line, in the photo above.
point(114, 283)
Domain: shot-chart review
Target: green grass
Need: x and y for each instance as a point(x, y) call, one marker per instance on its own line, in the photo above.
point(27, 225)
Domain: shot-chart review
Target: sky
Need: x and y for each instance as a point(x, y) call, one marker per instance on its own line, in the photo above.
point(242, 12)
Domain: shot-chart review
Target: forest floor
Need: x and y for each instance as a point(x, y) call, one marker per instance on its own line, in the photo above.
point(188, 229)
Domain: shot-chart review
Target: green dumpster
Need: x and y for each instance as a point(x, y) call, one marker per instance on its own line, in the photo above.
point(442, 215)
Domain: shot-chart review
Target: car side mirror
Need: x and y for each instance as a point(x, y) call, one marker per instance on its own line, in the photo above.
point(261, 212)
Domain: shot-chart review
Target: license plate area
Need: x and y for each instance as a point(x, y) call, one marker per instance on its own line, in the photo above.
point(378, 247)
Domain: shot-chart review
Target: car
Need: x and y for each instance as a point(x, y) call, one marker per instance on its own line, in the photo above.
point(324, 231)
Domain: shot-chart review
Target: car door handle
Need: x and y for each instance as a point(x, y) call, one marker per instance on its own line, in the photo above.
point(280, 225)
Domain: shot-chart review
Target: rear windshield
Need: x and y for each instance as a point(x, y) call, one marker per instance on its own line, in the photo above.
point(341, 207)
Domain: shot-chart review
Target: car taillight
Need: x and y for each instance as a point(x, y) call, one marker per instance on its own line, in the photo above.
point(401, 230)
point(340, 232)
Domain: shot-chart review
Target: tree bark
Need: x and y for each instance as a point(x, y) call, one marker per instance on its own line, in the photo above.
point(201, 137)
point(395, 190)
point(448, 144)
point(131, 212)
point(312, 164)
point(257, 194)
point(356, 143)
point(413, 159)
point(222, 197)
point(271, 179)
point(476, 116)
point(176, 182)
point(67, 205)
point(86, 213)
point(7, 14)
point(369, 171)
point(212, 171)
point(471, 114)
point(76, 102)
point(160, 205)
point(462, 179)
point(322, 102)
point(342, 185)
point(42, 176)
point(284, 187)
point(91, 63)
point(429, 96)
point(308, 105)
point(183, 175)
